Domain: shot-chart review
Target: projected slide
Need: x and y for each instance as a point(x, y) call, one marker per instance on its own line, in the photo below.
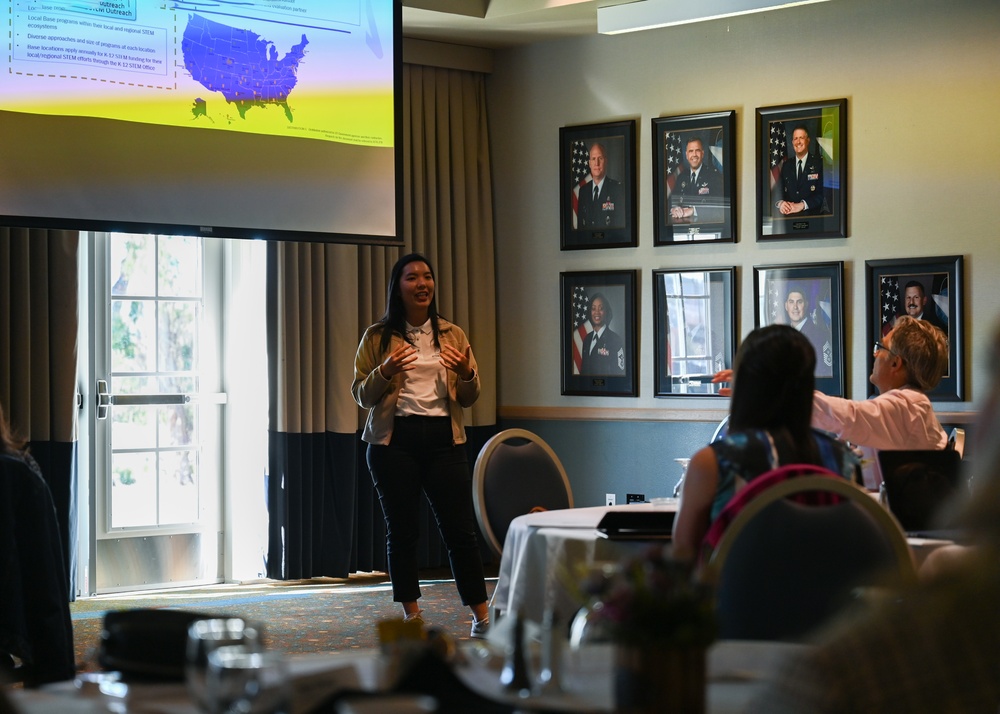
point(302, 68)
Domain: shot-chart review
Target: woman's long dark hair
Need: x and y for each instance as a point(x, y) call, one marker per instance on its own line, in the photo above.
point(773, 387)
point(394, 317)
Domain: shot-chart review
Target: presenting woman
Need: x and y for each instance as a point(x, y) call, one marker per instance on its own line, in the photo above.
point(415, 373)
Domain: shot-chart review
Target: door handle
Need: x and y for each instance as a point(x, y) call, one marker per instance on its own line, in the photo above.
point(103, 399)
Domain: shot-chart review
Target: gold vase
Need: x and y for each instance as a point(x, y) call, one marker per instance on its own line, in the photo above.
point(665, 680)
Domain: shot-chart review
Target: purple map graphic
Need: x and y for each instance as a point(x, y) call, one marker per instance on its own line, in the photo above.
point(241, 65)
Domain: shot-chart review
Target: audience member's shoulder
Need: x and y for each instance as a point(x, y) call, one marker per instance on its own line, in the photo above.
point(22, 461)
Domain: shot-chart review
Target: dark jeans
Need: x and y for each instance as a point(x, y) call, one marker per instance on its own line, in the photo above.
point(421, 457)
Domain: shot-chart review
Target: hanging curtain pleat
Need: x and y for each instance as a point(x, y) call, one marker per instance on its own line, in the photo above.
point(38, 361)
point(325, 519)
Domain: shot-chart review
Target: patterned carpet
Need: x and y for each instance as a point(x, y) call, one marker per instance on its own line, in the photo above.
point(319, 615)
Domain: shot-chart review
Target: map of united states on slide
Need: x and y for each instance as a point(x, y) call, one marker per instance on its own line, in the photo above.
point(241, 65)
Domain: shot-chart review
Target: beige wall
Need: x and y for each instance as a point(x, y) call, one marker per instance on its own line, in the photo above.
point(922, 82)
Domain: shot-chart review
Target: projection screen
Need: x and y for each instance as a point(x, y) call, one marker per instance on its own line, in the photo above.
point(275, 119)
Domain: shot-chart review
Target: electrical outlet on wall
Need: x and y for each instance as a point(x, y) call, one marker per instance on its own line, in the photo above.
point(635, 498)
point(609, 499)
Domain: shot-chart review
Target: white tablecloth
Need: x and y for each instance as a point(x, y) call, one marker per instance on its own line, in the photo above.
point(545, 554)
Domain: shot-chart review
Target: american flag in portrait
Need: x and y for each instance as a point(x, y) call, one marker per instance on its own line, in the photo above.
point(580, 170)
point(775, 302)
point(581, 325)
point(778, 149)
point(672, 151)
point(888, 299)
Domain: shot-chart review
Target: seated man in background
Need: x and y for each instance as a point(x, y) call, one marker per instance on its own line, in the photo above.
point(932, 648)
point(909, 362)
point(768, 428)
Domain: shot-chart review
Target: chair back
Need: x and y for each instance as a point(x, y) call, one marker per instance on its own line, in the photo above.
point(516, 472)
point(956, 441)
point(749, 492)
point(721, 430)
point(918, 482)
point(783, 568)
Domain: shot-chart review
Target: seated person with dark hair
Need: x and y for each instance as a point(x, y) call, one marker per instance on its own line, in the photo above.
point(35, 624)
point(768, 427)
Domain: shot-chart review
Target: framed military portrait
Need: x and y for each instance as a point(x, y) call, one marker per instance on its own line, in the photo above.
point(694, 329)
point(694, 178)
point(597, 195)
point(810, 298)
point(802, 171)
point(928, 289)
point(599, 333)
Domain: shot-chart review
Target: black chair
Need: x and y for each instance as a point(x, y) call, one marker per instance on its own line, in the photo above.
point(516, 473)
point(35, 624)
point(917, 482)
point(782, 568)
point(721, 430)
point(956, 441)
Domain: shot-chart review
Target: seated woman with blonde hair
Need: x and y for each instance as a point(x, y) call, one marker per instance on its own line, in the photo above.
point(772, 402)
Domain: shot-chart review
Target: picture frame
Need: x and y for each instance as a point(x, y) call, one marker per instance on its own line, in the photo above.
point(821, 187)
point(606, 219)
point(605, 364)
point(810, 297)
point(891, 289)
point(694, 329)
point(703, 209)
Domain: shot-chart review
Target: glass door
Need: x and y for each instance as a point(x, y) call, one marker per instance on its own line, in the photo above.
point(158, 481)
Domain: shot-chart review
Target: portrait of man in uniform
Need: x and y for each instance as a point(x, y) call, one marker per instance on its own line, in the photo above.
point(597, 188)
point(802, 170)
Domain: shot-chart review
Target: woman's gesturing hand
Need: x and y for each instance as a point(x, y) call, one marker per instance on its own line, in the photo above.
point(458, 362)
point(399, 360)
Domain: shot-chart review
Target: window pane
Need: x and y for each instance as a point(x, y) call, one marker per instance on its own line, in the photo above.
point(695, 322)
point(178, 332)
point(133, 490)
point(133, 385)
point(133, 427)
point(694, 283)
point(178, 384)
point(671, 284)
point(178, 487)
point(177, 425)
point(133, 335)
point(135, 260)
point(180, 266)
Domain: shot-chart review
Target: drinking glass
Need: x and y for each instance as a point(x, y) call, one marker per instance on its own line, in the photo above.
point(206, 635)
point(684, 469)
point(243, 681)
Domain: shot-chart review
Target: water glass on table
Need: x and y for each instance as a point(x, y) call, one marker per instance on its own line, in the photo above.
point(243, 681)
point(207, 635)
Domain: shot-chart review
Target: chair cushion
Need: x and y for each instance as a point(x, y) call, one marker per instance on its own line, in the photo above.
point(794, 565)
point(520, 477)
